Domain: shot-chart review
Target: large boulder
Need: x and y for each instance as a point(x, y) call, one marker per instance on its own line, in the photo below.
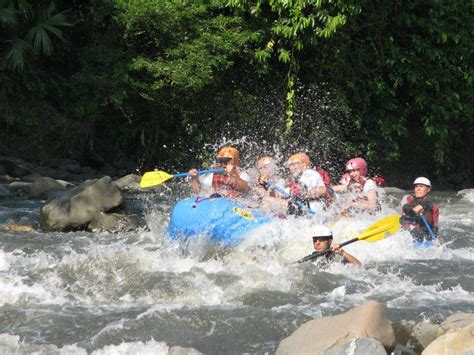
point(320, 335)
point(359, 346)
point(424, 333)
point(114, 222)
point(129, 182)
point(43, 187)
point(77, 207)
point(451, 343)
point(456, 322)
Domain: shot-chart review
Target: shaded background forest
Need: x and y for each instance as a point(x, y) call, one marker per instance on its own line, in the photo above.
point(153, 83)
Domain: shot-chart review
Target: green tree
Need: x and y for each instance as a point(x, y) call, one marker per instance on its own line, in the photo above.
point(28, 27)
point(286, 28)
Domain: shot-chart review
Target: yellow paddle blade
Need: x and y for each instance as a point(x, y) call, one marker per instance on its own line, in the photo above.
point(154, 178)
point(379, 229)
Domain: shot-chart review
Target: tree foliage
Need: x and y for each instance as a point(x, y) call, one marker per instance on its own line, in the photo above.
point(153, 80)
point(28, 28)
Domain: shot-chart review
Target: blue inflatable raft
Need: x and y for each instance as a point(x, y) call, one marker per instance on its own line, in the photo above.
point(220, 219)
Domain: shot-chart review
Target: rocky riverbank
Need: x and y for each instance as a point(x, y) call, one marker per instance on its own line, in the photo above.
point(76, 197)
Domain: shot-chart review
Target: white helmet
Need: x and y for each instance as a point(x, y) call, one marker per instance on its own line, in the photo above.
point(322, 231)
point(423, 181)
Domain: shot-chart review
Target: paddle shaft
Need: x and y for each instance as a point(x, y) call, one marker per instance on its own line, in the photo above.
point(298, 203)
point(200, 172)
point(430, 231)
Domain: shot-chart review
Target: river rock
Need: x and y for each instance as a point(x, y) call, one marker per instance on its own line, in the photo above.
point(465, 192)
point(178, 350)
point(16, 228)
point(424, 333)
point(460, 342)
point(31, 177)
point(73, 168)
point(114, 222)
point(108, 170)
point(43, 187)
point(129, 182)
point(14, 166)
point(456, 322)
point(5, 191)
point(319, 335)
point(88, 172)
point(20, 187)
point(79, 206)
point(358, 346)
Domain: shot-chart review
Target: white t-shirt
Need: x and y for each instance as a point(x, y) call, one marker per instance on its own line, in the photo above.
point(311, 179)
point(369, 185)
point(206, 182)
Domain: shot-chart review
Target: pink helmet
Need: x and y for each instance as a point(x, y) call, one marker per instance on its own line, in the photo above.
point(357, 164)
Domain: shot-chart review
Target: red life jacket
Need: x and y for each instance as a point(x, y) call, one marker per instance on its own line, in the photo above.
point(225, 185)
point(325, 176)
point(379, 180)
point(431, 215)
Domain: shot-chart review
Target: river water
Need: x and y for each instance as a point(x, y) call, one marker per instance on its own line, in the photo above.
point(139, 292)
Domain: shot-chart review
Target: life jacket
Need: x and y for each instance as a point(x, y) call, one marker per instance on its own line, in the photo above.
point(380, 181)
point(225, 185)
point(330, 194)
point(325, 176)
point(357, 188)
point(431, 214)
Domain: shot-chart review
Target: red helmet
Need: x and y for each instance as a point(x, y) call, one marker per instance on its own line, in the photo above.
point(357, 164)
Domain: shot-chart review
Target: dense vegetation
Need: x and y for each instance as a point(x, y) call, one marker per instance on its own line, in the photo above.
point(155, 81)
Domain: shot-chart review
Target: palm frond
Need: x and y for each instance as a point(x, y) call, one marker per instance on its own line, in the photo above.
point(8, 17)
point(40, 39)
point(15, 56)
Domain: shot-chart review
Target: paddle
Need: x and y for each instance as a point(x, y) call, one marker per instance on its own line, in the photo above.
point(297, 202)
point(373, 233)
point(154, 178)
point(430, 231)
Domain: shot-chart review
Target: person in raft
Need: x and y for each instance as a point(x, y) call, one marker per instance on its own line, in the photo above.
point(416, 205)
point(268, 179)
point(306, 184)
point(322, 240)
point(364, 189)
point(232, 183)
point(305, 188)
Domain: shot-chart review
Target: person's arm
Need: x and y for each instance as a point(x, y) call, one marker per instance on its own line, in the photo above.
point(371, 199)
point(315, 185)
point(195, 184)
point(316, 192)
point(340, 188)
point(348, 257)
point(240, 183)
